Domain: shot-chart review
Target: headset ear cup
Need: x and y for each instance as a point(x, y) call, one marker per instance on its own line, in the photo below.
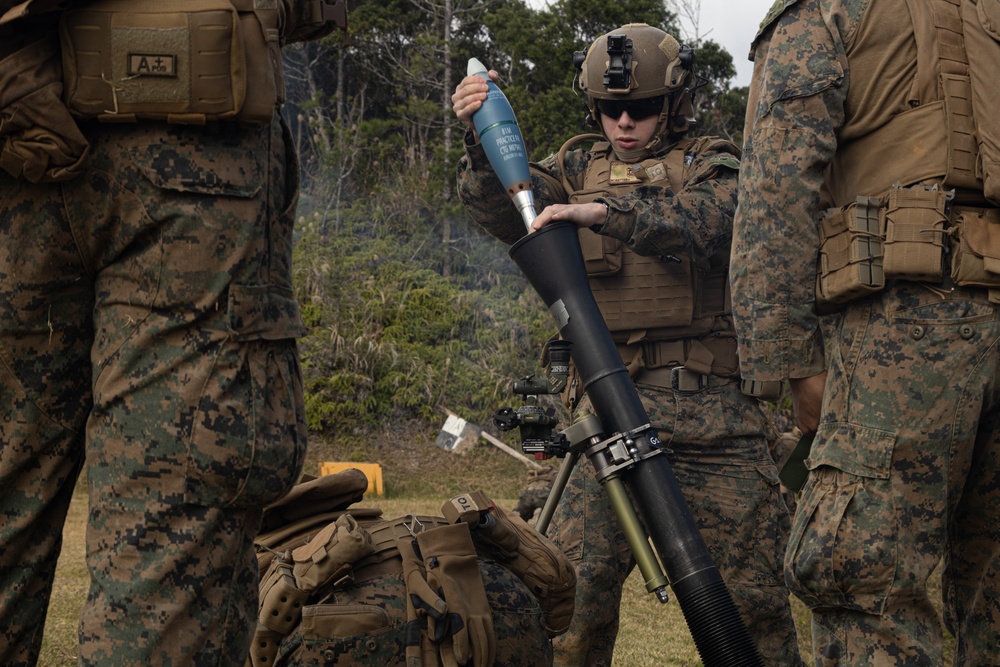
point(681, 112)
point(592, 119)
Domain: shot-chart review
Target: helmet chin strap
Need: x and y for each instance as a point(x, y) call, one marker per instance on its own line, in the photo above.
point(630, 156)
point(659, 139)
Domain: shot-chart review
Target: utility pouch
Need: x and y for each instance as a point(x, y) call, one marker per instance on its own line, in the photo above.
point(602, 255)
point(851, 254)
point(915, 233)
point(129, 59)
point(260, 30)
point(976, 248)
point(981, 27)
point(188, 61)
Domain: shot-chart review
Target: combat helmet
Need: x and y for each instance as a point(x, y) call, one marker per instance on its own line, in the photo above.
point(637, 62)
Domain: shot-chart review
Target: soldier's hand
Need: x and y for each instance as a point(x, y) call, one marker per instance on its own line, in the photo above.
point(581, 215)
point(807, 401)
point(469, 96)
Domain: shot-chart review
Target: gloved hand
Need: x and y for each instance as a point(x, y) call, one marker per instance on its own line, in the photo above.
point(452, 571)
point(524, 551)
point(421, 603)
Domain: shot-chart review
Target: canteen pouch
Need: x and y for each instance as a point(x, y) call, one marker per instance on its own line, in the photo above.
point(976, 248)
point(981, 26)
point(850, 254)
point(915, 233)
point(259, 28)
point(187, 61)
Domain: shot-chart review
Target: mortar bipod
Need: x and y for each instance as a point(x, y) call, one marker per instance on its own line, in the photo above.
point(608, 456)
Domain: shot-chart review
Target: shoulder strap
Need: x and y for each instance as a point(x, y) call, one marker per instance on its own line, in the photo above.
point(599, 145)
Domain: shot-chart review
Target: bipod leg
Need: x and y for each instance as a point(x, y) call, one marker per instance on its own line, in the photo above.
point(555, 493)
point(582, 434)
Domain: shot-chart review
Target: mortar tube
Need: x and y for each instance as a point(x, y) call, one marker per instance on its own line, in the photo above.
point(551, 260)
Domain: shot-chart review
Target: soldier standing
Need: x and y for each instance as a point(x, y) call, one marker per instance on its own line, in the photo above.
point(860, 167)
point(147, 320)
point(655, 213)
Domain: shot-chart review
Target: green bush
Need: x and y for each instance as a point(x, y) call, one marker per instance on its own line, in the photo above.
point(392, 339)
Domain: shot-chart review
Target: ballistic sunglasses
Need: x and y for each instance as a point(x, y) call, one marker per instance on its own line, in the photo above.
point(637, 109)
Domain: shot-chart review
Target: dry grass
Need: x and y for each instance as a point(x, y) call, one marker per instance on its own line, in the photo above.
point(69, 590)
point(651, 634)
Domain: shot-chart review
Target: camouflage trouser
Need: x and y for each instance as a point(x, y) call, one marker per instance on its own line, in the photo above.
point(905, 472)
point(147, 324)
point(721, 461)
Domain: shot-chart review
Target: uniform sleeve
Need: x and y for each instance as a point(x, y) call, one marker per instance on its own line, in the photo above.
point(696, 221)
point(486, 199)
point(795, 108)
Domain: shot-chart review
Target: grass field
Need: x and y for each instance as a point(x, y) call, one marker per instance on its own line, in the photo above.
point(651, 634)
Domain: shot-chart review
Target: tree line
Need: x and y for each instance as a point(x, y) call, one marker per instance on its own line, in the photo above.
point(411, 307)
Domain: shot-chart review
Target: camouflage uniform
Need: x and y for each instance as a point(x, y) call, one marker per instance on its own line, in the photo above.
point(905, 467)
point(716, 435)
point(147, 328)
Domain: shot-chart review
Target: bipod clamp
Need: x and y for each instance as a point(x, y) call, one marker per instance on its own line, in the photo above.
point(586, 436)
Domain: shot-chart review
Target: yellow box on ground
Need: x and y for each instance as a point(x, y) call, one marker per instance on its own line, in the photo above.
point(373, 471)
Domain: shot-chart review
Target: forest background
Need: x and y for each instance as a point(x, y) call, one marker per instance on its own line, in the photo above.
point(412, 309)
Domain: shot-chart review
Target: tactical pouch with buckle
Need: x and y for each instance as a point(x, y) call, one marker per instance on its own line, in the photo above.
point(651, 362)
point(915, 233)
point(188, 61)
point(975, 259)
point(683, 380)
point(765, 390)
point(850, 254)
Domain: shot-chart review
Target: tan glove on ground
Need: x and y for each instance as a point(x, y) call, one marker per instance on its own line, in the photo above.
point(422, 603)
point(453, 572)
point(535, 559)
point(286, 586)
